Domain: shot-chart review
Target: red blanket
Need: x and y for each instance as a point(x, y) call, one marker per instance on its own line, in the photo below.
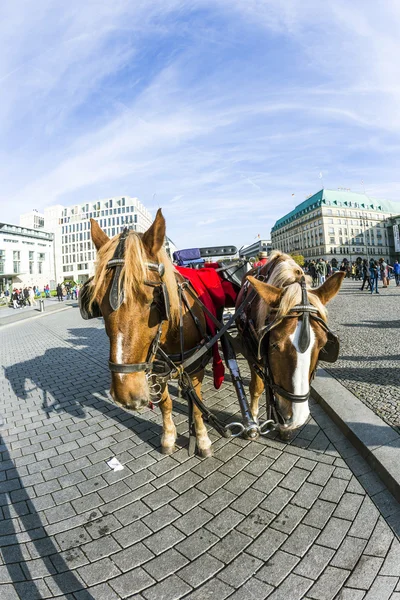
point(209, 288)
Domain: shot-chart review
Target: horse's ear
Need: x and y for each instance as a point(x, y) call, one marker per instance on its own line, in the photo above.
point(99, 238)
point(154, 237)
point(269, 293)
point(330, 288)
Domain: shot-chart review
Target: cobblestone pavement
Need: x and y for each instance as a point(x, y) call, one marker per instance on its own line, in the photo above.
point(259, 520)
point(369, 363)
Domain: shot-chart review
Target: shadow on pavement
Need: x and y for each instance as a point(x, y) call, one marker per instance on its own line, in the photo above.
point(15, 502)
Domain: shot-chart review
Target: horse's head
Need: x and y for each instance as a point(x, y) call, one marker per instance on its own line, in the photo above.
point(127, 287)
point(292, 346)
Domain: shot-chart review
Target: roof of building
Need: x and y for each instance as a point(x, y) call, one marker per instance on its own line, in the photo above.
point(8, 229)
point(339, 198)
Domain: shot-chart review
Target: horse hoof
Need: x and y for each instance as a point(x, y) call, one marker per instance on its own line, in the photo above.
point(167, 450)
point(205, 452)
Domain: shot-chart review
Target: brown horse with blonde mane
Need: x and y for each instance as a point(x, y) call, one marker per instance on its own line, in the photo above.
point(129, 301)
point(284, 333)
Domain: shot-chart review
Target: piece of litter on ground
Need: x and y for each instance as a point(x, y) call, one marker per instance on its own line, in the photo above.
point(115, 464)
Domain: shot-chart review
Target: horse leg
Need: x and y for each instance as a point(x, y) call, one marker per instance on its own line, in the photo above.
point(256, 389)
point(169, 430)
point(203, 441)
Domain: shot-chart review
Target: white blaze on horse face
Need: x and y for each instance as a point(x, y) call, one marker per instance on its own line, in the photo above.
point(120, 352)
point(301, 377)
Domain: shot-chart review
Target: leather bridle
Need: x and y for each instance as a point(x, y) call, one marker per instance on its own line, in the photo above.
point(116, 298)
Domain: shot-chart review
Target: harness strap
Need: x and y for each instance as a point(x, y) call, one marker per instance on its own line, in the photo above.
point(129, 368)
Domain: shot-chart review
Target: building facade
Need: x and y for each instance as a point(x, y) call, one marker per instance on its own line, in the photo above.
point(336, 225)
point(74, 252)
point(252, 250)
point(26, 257)
point(33, 220)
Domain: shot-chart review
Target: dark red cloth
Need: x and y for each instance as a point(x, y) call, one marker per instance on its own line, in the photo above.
point(207, 284)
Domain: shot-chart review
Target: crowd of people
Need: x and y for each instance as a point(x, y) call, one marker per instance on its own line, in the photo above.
point(19, 298)
point(369, 272)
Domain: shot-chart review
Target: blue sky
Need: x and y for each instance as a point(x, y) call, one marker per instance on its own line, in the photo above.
point(217, 111)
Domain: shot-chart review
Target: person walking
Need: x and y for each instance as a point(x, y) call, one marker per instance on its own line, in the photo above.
point(26, 296)
point(32, 296)
point(365, 273)
point(396, 271)
point(374, 275)
point(60, 293)
point(321, 269)
point(383, 272)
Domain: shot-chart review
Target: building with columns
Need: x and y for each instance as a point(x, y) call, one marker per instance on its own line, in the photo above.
point(336, 225)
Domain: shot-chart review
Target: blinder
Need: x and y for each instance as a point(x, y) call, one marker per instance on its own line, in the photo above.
point(330, 352)
point(84, 300)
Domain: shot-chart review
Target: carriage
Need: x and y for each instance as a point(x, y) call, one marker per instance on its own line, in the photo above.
point(167, 323)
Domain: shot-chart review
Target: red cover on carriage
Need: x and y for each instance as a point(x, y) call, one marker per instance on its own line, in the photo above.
point(210, 289)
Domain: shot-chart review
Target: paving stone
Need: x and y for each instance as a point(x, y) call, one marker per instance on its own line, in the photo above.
point(160, 497)
point(255, 522)
point(307, 495)
point(348, 506)
point(333, 490)
point(131, 534)
point(365, 572)
point(212, 483)
point(314, 562)
point(289, 518)
point(248, 501)
point(259, 465)
point(131, 583)
point(99, 592)
point(230, 546)
point(294, 479)
point(349, 553)
point(392, 561)
point(240, 483)
point(171, 588)
point(132, 557)
point(365, 521)
point(267, 544)
point(197, 543)
point(334, 533)
point(200, 570)
point(350, 594)
point(382, 588)
point(380, 540)
point(321, 474)
point(161, 517)
point(277, 568)
point(300, 540)
point(268, 481)
point(218, 501)
point(285, 463)
point(99, 571)
point(294, 587)
point(277, 499)
point(215, 588)
point(165, 564)
point(192, 520)
point(328, 584)
point(164, 539)
point(188, 500)
point(241, 569)
point(224, 522)
point(253, 589)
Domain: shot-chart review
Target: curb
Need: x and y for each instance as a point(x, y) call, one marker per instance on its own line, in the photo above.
point(375, 440)
point(31, 318)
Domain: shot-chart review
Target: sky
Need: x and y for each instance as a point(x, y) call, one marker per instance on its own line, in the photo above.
point(217, 111)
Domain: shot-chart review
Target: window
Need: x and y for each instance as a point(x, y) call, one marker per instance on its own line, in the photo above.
point(330, 221)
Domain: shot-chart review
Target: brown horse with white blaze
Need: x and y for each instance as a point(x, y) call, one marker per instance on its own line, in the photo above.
point(283, 335)
point(135, 322)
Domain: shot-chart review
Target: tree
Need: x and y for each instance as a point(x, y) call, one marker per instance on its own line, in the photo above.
point(298, 259)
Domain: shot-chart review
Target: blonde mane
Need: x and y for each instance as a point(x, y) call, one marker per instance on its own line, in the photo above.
point(286, 274)
point(134, 272)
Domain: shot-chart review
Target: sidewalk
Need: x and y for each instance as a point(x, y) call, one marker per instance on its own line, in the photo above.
point(9, 315)
point(308, 519)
